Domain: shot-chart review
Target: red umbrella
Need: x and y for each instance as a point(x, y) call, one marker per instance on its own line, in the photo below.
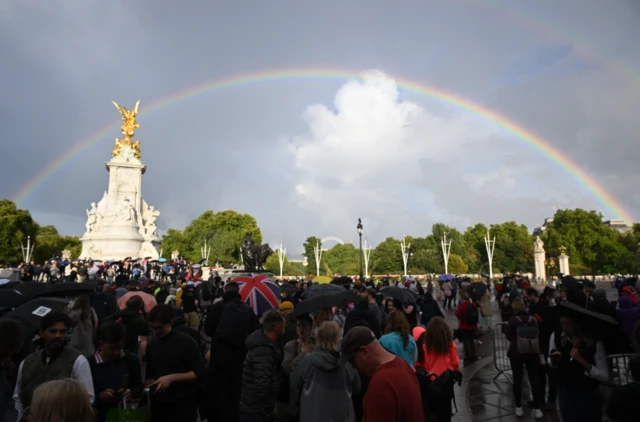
point(149, 300)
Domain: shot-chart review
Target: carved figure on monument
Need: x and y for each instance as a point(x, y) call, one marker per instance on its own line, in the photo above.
point(150, 222)
point(94, 251)
point(538, 245)
point(66, 255)
point(92, 218)
point(174, 255)
point(126, 212)
point(254, 256)
point(126, 148)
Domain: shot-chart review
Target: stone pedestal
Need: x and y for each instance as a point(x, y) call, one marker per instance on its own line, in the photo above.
point(122, 224)
point(539, 257)
point(563, 262)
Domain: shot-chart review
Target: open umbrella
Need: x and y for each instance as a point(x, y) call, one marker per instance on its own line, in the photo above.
point(402, 295)
point(342, 280)
point(323, 279)
point(445, 277)
point(328, 299)
point(162, 259)
point(149, 300)
point(320, 289)
point(29, 314)
point(196, 266)
point(259, 291)
point(10, 298)
point(477, 290)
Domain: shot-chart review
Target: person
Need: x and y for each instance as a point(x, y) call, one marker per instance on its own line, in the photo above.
point(11, 340)
point(64, 400)
point(85, 324)
point(321, 379)
point(229, 323)
point(520, 360)
point(623, 402)
point(397, 338)
point(53, 362)
point(393, 394)
point(190, 305)
point(286, 309)
point(370, 296)
point(580, 362)
point(174, 365)
point(447, 286)
point(627, 315)
point(294, 352)
point(116, 373)
point(261, 373)
point(133, 318)
point(429, 308)
point(467, 314)
point(437, 353)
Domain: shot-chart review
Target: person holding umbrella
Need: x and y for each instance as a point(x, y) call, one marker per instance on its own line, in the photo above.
point(579, 359)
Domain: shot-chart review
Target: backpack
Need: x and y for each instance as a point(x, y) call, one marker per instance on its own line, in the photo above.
point(435, 388)
point(527, 338)
point(471, 316)
point(207, 293)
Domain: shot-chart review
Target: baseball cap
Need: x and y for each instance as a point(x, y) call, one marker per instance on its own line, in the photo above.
point(355, 338)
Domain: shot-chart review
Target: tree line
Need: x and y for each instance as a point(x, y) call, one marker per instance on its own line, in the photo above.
point(593, 247)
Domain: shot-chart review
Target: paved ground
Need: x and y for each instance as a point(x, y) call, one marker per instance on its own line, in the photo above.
point(482, 396)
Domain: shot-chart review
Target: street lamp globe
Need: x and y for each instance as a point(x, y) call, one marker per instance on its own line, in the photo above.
point(359, 227)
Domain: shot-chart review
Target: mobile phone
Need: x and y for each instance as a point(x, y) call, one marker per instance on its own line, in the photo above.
point(125, 381)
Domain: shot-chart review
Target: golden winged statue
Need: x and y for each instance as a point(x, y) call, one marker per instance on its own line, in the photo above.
point(128, 128)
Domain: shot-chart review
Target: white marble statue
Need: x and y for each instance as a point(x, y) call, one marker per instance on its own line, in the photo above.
point(66, 254)
point(539, 244)
point(92, 218)
point(150, 222)
point(126, 212)
point(174, 255)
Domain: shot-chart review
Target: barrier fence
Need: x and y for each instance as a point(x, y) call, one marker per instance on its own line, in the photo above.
point(500, 348)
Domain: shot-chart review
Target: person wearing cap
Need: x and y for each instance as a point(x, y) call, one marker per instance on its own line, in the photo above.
point(286, 309)
point(393, 394)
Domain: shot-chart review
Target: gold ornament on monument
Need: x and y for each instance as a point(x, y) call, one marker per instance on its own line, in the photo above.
point(563, 251)
point(128, 128)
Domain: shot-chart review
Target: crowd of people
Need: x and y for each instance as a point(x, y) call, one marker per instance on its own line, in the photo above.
point(189, 350)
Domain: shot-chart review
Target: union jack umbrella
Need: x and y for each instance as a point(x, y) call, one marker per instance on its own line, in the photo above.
point(259, 292)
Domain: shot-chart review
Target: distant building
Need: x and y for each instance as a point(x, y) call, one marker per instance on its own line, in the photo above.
point(619, 225)
point(539, 231)
point(304, 261)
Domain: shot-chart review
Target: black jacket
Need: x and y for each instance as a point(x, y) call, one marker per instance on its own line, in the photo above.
point(261, 375)
point(429, 309)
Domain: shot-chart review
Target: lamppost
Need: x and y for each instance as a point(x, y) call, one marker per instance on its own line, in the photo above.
point(446, 249)
point(367, 255)
point(360, 231)
point(490, 244)
point(282, 254)
point(27, 251)
point(404, 248)
point(205, 251)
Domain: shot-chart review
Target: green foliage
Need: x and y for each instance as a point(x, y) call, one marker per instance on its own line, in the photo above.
point(49, 243)
point(342, 259)
point(309, 244)
point(386, 258)
point(457, 264)
point(15, 226)
point(223, 231)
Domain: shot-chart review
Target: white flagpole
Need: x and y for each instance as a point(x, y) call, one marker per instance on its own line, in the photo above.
point(491, 246)
point(282, 253)
point(405, 253)
point(446, 249)
point(317, 250)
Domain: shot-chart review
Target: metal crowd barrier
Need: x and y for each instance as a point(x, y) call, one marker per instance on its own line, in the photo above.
point(619, 367)
point(500, 348)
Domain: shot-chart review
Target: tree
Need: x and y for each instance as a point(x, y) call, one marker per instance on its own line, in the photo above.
point(15, 226)
point(457, 265)
point(342, 259)
point(591, 245)
point(173, 240)
point(50, 243)
point(514, 247)
point(309, 253)
point(223, 230)
point(386, 258)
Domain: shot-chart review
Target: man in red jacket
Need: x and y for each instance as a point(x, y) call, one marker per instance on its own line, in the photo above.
point(468, 317)
point(394, 393)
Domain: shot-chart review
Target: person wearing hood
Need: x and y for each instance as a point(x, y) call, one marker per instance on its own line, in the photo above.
point(429, 308)
point(229, 323)
point(262, 370)
point(321, 379)
point(627, 315)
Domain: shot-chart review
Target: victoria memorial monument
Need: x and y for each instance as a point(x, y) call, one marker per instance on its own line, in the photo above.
point(122, 224)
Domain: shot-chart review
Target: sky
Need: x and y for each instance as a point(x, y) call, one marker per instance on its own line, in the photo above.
point(309, 156)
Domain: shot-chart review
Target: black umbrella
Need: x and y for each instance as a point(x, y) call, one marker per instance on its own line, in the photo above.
point(10, 298)
point(325, 300)
point(477, 290)
point(402, 295)
point(603, 326)
point(343, 280)
point(320, 289)
point(29, 314)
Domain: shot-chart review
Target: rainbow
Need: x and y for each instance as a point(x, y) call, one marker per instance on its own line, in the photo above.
point(536, 143)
